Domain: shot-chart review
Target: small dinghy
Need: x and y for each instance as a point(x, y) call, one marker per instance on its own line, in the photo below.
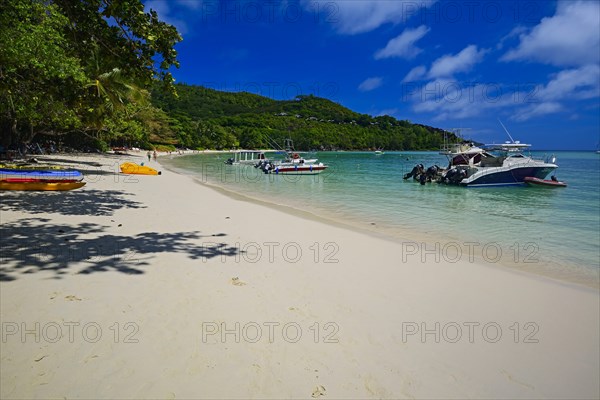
point(530, 180)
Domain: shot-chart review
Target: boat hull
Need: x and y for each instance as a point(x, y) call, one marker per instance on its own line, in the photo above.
point(299, 170)
point(507, 176)
point(41, 186)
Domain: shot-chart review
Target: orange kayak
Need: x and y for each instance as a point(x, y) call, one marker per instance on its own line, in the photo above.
point(45, 186)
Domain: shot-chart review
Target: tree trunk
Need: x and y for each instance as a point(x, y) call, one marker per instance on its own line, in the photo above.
point(8, 128)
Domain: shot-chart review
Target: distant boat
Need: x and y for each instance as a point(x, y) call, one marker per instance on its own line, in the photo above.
point(379, 152)
point(293, 164)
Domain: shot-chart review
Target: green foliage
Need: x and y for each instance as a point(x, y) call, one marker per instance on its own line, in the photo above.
point(39, 77)
point(208, 118)
point(76, 65)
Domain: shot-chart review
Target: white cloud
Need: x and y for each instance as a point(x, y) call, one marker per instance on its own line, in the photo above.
point(464, 61)
point(163, 10)
point(370, 84)
point(513, 33)
point(403, 46)
point(415, 74)
point(388, 111)
point(358, 16)
point(191, 4)
point(450, 99)
point(537, 110)
point(569, 38)
point(572, 84)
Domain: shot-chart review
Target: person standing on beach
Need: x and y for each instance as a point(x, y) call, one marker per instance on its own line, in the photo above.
point(149, 155)
point(154, 156)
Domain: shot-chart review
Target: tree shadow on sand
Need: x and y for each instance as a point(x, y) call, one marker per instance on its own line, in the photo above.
point(77, 202)
point(34, 245)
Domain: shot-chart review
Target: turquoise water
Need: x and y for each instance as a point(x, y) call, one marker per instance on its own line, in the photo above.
point(555, 232)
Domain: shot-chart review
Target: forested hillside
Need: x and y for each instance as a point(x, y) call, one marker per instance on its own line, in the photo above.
point(207, 118)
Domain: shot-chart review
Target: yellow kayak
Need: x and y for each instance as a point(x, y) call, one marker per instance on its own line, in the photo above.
point(40, 185)
point(131, 168)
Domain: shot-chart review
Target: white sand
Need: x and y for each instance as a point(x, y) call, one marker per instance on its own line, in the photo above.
point(162, 300)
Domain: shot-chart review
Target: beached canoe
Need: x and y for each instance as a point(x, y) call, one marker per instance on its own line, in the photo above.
point(51, 186)
point(40, 174)
point(26, 180)
point(131, 168)
point(530, 180)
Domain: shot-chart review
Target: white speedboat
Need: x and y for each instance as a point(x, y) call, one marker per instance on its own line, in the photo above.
point(293, 164)
point(295, 169)
point(494, 165)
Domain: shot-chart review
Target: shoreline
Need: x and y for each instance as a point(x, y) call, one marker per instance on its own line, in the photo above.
point(561, 273)
point(195, 290)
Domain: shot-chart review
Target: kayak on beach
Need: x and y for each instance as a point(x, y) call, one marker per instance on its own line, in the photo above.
point(40, 185)
point(131, 168)
point(40, 174)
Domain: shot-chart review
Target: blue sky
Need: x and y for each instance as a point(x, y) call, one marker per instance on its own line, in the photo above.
point(450, 64)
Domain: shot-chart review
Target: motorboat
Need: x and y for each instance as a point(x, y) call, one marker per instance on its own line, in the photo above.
point(505, 165)
point(294, 169)
point(493, 165)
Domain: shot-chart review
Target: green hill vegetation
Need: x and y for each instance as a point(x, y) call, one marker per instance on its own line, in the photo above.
point(206, 118)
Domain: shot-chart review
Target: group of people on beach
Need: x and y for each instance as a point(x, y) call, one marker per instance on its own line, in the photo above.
point(153, 155)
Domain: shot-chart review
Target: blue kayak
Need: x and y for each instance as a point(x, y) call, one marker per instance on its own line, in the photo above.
point(40, 174)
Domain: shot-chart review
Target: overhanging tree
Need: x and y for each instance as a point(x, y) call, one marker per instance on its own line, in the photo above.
point(52, 51)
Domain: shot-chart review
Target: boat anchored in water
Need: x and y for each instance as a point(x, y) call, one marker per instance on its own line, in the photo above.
point(293, 164)
point(549, 183)
point(493, 165)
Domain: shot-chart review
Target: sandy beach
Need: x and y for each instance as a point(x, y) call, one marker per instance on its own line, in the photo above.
point(162, 287)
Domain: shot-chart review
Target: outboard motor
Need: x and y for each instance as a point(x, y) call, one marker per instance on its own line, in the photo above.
point(412, 173)
point(431, 172)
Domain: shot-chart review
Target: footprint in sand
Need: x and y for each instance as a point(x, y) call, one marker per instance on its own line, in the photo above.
point(318, 392)
point(72, 298)
point(236, 282)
